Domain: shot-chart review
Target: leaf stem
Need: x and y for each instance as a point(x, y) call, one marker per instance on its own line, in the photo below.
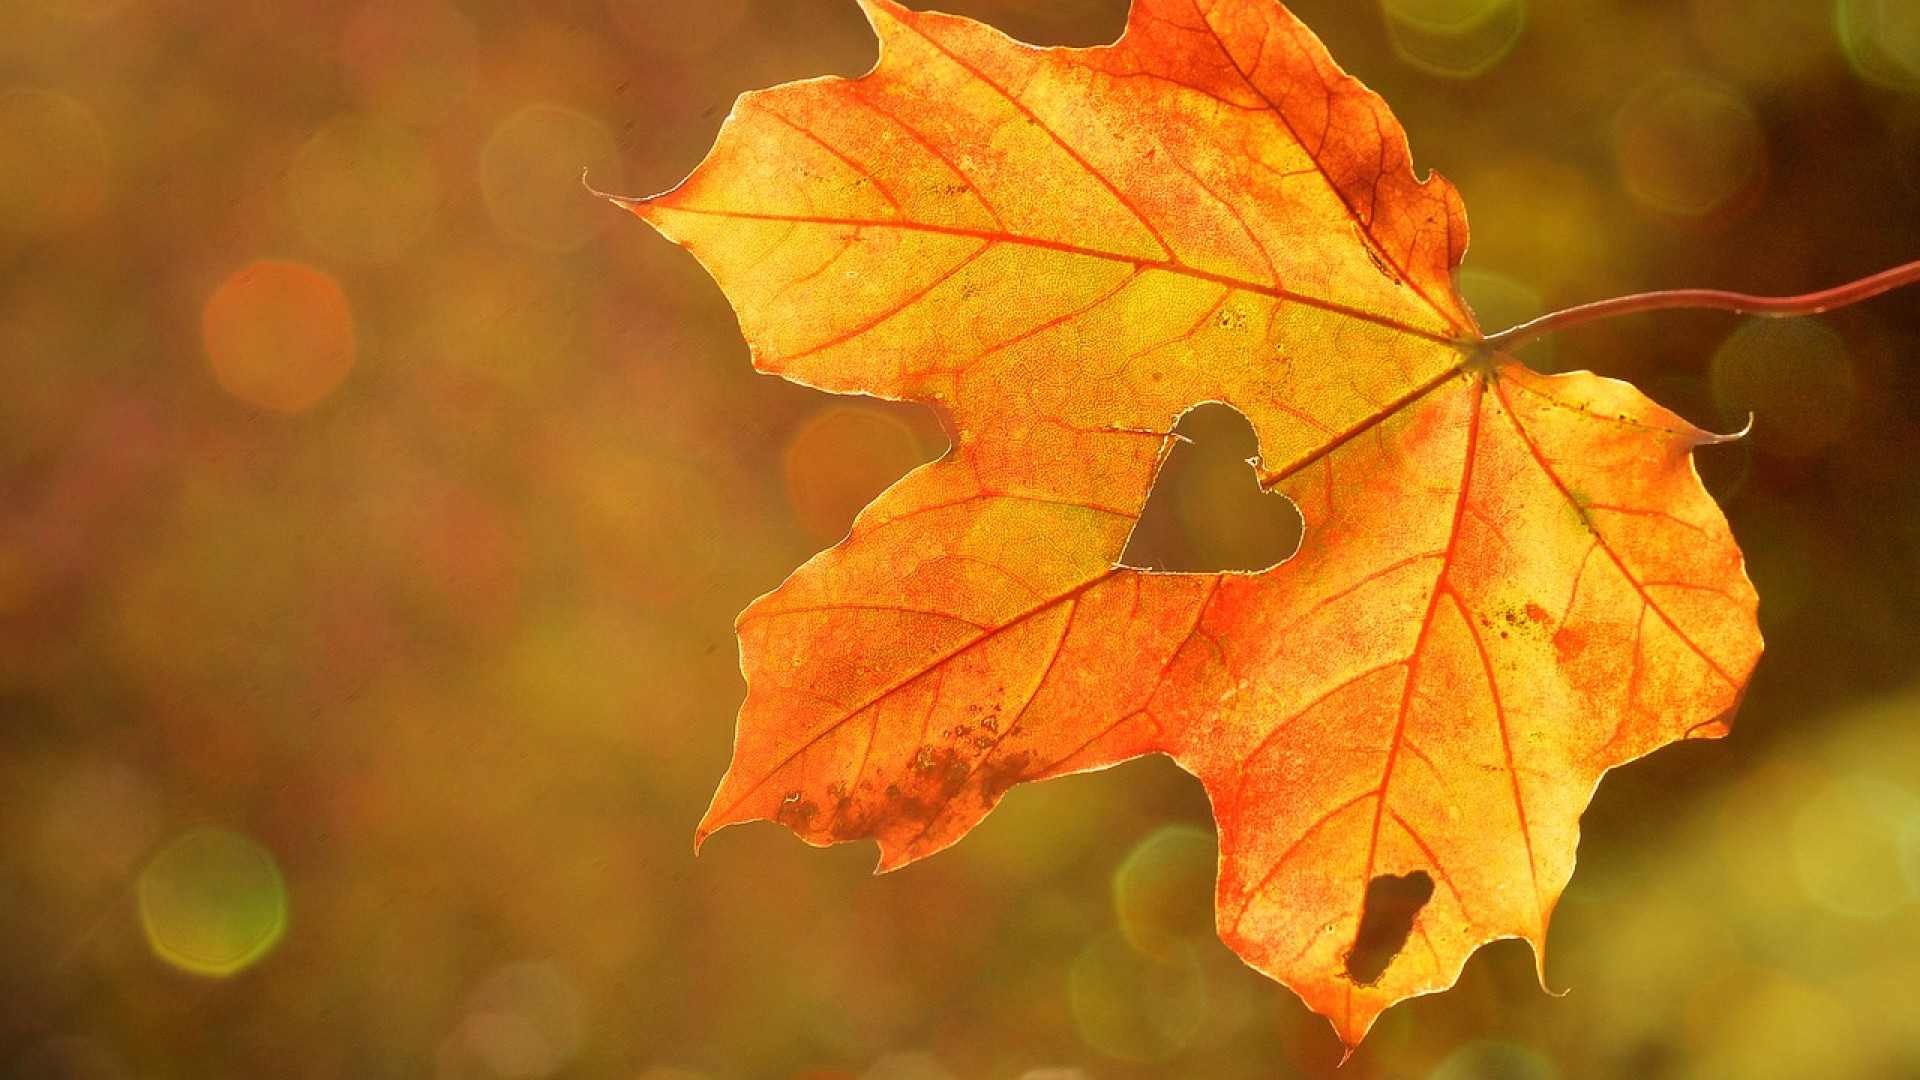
point(1812, 303)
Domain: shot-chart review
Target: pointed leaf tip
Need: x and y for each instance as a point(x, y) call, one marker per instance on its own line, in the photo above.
point(625, 202)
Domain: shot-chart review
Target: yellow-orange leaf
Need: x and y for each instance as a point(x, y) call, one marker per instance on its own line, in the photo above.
point(1509, 583)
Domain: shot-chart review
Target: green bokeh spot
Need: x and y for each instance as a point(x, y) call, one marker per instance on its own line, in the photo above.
point(212, 902)
point(1881, 39)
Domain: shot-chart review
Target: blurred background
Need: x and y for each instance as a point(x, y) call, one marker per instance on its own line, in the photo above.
point(375, 503)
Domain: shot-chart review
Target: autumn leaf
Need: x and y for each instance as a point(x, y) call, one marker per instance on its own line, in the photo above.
point(1508, 583)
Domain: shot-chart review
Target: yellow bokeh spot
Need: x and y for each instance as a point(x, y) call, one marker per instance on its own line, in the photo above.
point(1454, 38)
point(53, 161)
point(212, 902)
point(278, 335)
point(1687, 145)
point(1847, 846)
point(1793, 377)
point(530, 176)
point(1882, 40)
point(362, 189)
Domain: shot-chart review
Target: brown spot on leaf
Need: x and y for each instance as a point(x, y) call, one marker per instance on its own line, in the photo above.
point(797, 814)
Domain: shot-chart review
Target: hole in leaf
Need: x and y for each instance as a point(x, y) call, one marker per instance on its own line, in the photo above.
point(1206, 513)
point(1386, 919)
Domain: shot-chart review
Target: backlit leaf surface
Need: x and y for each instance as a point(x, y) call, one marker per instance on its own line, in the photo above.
point(1508, 584)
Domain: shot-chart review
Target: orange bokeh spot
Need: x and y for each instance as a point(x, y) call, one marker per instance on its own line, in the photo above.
point(278, 335)
point(839, 461)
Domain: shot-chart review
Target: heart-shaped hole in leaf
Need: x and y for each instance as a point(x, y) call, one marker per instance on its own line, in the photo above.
point(1206, 513)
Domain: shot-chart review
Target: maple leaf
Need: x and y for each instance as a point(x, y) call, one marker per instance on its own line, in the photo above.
point(1508, 583)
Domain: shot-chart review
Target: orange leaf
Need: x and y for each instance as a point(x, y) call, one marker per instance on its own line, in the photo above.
point(1508, 584)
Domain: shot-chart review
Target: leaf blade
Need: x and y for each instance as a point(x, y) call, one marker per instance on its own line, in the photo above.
point(1508, 583)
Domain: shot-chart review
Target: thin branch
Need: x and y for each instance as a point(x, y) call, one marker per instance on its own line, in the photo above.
point(1812, 303)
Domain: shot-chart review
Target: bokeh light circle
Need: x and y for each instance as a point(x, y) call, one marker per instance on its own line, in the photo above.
point(1793, 377)
point(1847, 846)
point(1136, 1007)
point(53, 161)
point(1687, 145)
point(363, 189)
point(212, 902)
point(526, 1019)
point(839, 460)
point(278, 335)
point(1882, 40)
point(1163, 889)
point(530, 174)
point(1456, 39)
